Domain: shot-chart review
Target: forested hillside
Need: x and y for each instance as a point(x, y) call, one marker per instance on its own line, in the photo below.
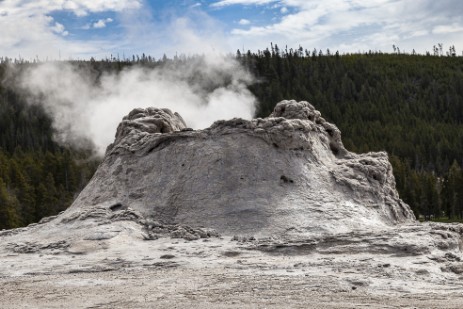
point(409, 105)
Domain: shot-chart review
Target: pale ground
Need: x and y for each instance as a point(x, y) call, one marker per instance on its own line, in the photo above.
point(204, 288)
point(128, 272)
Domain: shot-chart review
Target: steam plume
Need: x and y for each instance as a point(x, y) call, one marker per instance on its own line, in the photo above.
point(84, 105)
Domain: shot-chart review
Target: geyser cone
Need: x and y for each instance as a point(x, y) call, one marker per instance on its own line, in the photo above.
point(284, 175)
point(149, 213)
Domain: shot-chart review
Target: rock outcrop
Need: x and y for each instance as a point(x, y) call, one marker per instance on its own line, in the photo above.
point(141, 122)
point(285, 175)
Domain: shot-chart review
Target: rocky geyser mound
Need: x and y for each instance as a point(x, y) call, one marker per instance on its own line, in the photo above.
point(279, 195)
point(285, 175)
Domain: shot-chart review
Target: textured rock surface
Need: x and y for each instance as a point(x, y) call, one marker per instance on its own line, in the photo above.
point(141, 122)
point(257, 207)
point(284, 175)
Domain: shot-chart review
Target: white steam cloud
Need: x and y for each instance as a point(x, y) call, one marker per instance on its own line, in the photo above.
point(85, 106)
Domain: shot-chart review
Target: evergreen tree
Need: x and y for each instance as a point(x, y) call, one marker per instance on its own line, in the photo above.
point(9, 217)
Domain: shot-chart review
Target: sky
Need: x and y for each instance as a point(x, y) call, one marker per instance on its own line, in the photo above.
point(80, 29)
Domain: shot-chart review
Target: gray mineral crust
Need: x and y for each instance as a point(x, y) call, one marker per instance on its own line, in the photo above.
point(271, 212)
point(285, 175)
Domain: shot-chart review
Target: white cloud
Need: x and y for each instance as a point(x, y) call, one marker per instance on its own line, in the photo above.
point(99, 24)
point(355, 25)
point(244, 22)
point(444, 29)
point(102, 23)
point(27, 28)
point(223, 3)
point(347, 25)
point(194, 33)
point(78, 7)
point(418, 33)
point(139, 31)
point(83, 7)
point(190, 33)
point(59, 28)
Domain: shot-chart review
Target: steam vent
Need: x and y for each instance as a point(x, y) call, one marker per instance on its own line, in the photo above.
point(285, 175)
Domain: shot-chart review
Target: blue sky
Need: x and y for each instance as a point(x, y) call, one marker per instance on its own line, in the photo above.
point(65, 29)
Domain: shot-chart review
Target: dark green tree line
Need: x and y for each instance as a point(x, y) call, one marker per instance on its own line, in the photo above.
point(38, 178)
